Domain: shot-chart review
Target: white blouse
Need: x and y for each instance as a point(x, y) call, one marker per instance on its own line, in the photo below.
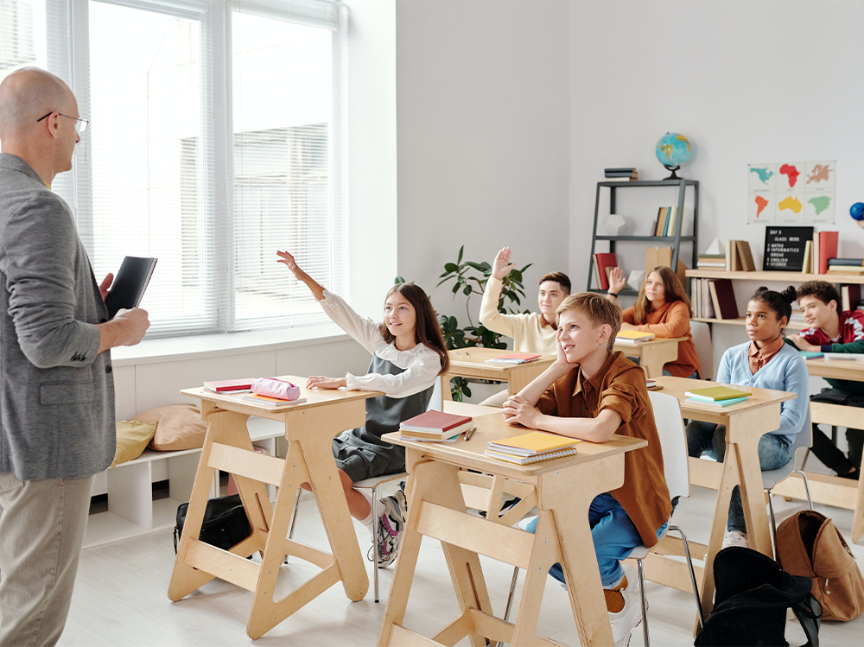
point(421, 363)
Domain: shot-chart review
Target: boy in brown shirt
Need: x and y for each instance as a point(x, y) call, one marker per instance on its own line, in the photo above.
point(592, 393)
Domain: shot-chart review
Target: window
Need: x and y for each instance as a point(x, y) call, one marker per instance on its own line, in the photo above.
point(217, 137)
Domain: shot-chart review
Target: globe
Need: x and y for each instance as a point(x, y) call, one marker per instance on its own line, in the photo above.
point(673, 150)
point(857, 213)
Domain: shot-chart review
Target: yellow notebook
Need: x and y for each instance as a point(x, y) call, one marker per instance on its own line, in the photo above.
point(536, 442)
point(635, 334)
point(716, 393)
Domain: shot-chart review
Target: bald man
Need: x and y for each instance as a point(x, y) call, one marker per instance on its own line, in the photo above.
point(57, 426)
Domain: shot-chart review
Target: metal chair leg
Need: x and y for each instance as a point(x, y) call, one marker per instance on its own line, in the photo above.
point(806, 485)
point(806, 456)
point(644, 603)
point(375, 522)
point(692, 572)
point(773, 522)
point(293, 518)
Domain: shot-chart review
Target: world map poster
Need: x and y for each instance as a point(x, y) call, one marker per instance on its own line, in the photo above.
point(791, 192)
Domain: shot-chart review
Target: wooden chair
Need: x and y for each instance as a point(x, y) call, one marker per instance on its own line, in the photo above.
point(701, 333)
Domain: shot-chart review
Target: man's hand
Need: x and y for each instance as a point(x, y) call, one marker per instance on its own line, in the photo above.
point(802, 344)
point(318, 382)
point(501, 266)
point(127, 328)
point(106, 285)
point(517, 411)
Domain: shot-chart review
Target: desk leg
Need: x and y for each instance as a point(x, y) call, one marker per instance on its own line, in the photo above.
point(858, 513)
point(750, 474)
point(437, 483)
point(568, 495)
point(228, 428)
point(446, 394)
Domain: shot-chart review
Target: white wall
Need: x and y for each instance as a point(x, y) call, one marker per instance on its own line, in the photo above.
point(745, 81)
point(483, 101)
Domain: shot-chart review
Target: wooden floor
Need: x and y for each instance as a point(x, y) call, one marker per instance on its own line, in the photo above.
point(120, 597)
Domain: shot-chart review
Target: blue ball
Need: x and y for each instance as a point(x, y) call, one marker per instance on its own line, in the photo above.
point(857, 211)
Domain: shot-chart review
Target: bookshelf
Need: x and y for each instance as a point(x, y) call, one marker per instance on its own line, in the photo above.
point(673, 241)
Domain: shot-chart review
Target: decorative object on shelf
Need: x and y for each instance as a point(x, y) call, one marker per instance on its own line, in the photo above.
point(716, 247)
point(856, 211)
point(615, 225)
point(673, 151)
point(791, 192)
point(784, 248)
point(634, 280)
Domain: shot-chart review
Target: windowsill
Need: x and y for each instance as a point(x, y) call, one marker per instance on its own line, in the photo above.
point(175, 349)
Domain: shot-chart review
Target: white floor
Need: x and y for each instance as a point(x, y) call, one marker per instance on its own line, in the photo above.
point(120, 597)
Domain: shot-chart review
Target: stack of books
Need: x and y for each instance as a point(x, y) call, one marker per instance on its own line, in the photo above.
point(435, 426)
point(711, 261)
point(739, 258)
point(230, 386)
point(667, 221)
point(713, 299)
point(604, 263)
point(851, 297)
point(623, 174)
point(716, 396)
point(846, 265)
point(822, 249)
point(531, 448)
point(514, 358)
point(633, 337)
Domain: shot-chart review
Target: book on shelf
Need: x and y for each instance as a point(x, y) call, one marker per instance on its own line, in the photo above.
point(267, 401)
point(514, 358)
point(850, 295)
point(620, 179)
point(620, 169)
point(745, 256)
point(604, 263)
point(845, 269)
point(661, 222)
point(723, 298)
point(718, 403)
point(229, 386)
point(633, 336)
point(532, 443)
point(620, 174)
point(715, 393)
point(807, 267)
point(846, 261)
point(827, 248)
point(814, 262)
point(435, 424)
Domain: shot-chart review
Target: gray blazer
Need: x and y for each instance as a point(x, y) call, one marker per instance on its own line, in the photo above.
point(56, 393)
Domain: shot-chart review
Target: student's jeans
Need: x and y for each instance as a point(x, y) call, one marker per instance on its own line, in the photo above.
point(614, 536)
point(694, 376)
point(708, 437)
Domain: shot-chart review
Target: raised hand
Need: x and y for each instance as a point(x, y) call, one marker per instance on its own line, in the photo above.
point(616, 280)
point(501, 266)
point(287, 259)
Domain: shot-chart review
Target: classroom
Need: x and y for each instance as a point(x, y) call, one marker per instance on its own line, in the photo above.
point(407, 143)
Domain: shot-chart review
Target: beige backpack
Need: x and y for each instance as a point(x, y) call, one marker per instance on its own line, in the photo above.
point(808, 544)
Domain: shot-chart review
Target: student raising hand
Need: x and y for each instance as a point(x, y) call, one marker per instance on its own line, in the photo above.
point(287, 259)
point(501, 266)
point(616, 281)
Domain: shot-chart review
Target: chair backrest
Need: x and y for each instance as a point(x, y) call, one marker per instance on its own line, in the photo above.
point(701, 333)
point(804, 438)
point(673, 441)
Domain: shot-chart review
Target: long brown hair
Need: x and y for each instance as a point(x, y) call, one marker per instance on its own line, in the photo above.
point(426, 329)
point(672, 289)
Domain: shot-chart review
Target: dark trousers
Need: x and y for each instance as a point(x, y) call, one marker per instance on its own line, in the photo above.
point(824, 449)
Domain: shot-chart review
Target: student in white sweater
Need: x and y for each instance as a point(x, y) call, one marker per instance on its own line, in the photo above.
point(531, 333)
point(765, 362)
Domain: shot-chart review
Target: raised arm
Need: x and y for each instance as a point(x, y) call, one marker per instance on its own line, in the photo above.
point(489, 315)
point(288, 261)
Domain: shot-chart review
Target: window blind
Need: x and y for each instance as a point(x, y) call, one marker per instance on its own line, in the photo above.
point(217, 137)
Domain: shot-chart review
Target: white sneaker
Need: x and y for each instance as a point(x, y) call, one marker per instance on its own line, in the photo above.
point(522, 524)
point(626, 620)
point(735, 538)
point(632, 580)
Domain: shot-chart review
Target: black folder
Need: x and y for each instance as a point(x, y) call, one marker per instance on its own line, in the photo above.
point(129, 284)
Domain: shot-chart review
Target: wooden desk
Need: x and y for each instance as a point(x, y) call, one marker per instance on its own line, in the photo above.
point(745, 424)
point(471, 362)
point(654, 354)
point(565, 489)
point(833, 490)
point(309, 428)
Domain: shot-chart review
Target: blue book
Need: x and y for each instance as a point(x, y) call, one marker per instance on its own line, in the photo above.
point(810, 354)
point(718, 403)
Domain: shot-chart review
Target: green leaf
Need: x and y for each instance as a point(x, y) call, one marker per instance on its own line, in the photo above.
point(516, 274)
point(461, 249)
point(467, 290)
point(466, 391)
point(485, 266)
point(451, 267)
point(474, 265)
point(456, 288)
point(399, 280)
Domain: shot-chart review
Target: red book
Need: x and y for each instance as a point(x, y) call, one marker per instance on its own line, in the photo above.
point(723, 297)
point(604, 261)
point(435, 422)
point(827, 248)
point(222, 386)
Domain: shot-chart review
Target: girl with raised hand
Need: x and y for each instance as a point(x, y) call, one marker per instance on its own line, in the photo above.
point(408, 354)
point(662, 308)
point(765, 362)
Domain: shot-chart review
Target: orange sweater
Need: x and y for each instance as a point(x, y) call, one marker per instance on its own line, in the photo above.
point(671, 320)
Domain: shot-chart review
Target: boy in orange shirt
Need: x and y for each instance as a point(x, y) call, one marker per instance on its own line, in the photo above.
point(592, 393)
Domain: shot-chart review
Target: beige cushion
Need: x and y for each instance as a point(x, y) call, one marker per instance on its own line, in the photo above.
point(180, 427)
point(132, 439)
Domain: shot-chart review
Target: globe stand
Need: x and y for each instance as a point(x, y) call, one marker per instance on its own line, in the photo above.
point(674, 176)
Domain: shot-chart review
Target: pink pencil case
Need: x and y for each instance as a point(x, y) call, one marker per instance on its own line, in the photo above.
point(273, 388)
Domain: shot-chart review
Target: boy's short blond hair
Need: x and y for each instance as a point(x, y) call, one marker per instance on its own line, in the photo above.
point(598, 309)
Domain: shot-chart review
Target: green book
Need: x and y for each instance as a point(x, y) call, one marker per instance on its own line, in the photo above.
point(715, 393)
point(811, 354)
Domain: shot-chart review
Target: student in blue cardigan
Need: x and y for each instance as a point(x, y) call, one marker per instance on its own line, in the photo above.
point(764, 362)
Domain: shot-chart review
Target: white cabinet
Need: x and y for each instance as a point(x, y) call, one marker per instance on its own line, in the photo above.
point(131, 507)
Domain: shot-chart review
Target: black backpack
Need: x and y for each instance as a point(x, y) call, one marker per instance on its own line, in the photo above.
point(750, 602)
point(225, 523)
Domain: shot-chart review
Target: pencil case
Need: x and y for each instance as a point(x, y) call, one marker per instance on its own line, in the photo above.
point(273, 388)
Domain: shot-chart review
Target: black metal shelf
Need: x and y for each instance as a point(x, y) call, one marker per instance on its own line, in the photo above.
point(650, 183)
point(649, 239)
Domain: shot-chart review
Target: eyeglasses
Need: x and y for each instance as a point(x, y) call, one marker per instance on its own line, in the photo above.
point(80, 126)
